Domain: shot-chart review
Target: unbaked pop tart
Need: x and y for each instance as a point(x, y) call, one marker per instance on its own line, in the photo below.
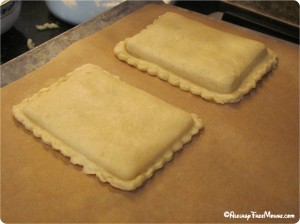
point(114, 130)
point(216, 65)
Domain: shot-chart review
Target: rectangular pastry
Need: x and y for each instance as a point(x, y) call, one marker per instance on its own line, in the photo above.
point(216, 65)
point(112, 129)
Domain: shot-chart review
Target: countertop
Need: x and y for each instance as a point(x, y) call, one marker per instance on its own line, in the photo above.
point(14, 41)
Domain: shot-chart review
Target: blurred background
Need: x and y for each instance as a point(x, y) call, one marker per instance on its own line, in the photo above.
point(19, 18)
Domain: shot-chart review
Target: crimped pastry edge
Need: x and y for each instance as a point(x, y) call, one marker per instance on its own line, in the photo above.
point(250, 82)
point(90, 167)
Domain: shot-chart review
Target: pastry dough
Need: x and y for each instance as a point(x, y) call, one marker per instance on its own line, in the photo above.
point(114, 130)
point(216, 65)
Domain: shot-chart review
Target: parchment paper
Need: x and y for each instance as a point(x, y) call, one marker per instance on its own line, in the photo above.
point(245, 160)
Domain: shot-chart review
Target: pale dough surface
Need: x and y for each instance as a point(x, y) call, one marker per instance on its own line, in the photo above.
point(114, 130)
point(216, 65)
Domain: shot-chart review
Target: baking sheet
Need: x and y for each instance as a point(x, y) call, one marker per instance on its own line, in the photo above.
point(41, 54)
point(245, 160)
